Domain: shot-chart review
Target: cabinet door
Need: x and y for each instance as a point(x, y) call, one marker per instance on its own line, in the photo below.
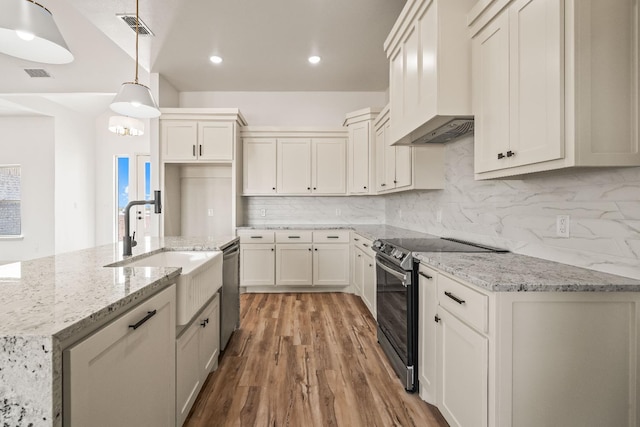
point(536, 40)
point(188, 382)
point(427, 333)
point(294, 264)
point(294, 166)
point(179, 140)
point(403, 167)
point(358, 271)
point(259, 166)
point(490, 57)
point(381, 162)
point(142, 359)
point(329, 166)
point(359, 157)
point(257, 265)
point(330, 264)
point(215, 141)
point(369, 283)
point(389, 160)
point(463, 357)
point(209, 349)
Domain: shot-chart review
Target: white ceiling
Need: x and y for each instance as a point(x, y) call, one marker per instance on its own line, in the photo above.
point(264, 43)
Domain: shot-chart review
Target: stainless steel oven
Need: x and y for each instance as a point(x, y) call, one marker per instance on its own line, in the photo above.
point(397, 298)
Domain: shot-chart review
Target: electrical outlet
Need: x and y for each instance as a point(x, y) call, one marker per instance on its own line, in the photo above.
point(562, 225)
point(210, 212)
point(338, 212)
point(439, 216)
point(263, 212)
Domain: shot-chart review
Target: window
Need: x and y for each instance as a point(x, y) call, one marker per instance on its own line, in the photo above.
point(122, 188)
point(10, 196)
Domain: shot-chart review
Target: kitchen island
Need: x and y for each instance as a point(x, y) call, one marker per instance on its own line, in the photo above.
point(49, 303)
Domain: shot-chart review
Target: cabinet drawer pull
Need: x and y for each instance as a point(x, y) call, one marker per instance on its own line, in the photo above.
point(149, 315)
point(333, 237)
point(500, 156)
point(256, 237)
point(383, 185)
point(204, 323)
point(426, 276)
point(365, 245)
point(193, 150)
point(201, 149)
point(437, 319)
point(510, 153)
point(293, 237)
point(455, 298)
point(356, 239)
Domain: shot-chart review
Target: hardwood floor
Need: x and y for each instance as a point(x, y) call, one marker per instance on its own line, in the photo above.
point(306, 360)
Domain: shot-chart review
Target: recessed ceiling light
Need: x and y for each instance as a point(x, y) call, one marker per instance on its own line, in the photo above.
point(314, 59)
point(215, 59)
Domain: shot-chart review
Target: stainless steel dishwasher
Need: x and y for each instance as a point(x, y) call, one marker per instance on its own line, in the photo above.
point(230, 293)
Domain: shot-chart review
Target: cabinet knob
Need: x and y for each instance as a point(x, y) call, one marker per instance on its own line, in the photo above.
point(272, 249)
point(365, 187)
point(510, 153)
point(383, 185)
point(309, 249)
point(437, 319)
point(315, 249)
point(314, 188)
point(308, 188)
point(500, 156)
point(395, 182)
point(273, 188)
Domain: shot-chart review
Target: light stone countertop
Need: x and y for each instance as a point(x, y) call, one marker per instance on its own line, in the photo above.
point(48, 301)
point(509, 272)
point(370, 231)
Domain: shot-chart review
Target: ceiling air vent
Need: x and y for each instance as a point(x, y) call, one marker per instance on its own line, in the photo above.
point(130, 20)
point(37, 72)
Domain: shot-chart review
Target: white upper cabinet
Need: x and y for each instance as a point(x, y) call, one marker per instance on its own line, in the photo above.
point(362, 150)
point(259, 166)
point(401, 168)
point(199, 134)
point(429, 66)
point(294, 162)
point(555, 85)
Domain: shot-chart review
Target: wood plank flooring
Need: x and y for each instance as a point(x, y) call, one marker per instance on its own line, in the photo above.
point(309, 359)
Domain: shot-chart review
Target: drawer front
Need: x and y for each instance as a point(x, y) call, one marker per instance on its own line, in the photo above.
point(256, 236)
point(294, 236)
point(467, 304)
point(364, 244)
point(331, 236)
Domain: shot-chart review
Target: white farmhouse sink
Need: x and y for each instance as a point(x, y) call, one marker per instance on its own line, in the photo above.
point(200, 279)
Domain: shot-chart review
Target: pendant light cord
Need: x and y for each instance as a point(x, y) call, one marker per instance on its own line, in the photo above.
point(137, 21)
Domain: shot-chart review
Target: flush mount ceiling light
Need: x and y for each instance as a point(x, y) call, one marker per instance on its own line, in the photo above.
point(314, 59)
point(215, 59)
point(126, 126)
point(28, 31)
point(135, 99)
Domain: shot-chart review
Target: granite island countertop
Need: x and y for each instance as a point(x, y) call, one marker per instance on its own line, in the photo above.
point(46, 302)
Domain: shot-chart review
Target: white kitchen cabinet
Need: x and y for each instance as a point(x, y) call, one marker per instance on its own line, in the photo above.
point(400, 168)
point(329, 166)
point(554, 86)
point(294, 161)
point(362, 149)
point(364, 271)
point(257, 264)
point(330, 264)
point(427, 332)
point(294, 264)
point(357, 270)
point(197, 351)
point(463, 361)
point(191, 140)
point(137, 350)
point(428, 83)
point(258, 166)
point(294, 166)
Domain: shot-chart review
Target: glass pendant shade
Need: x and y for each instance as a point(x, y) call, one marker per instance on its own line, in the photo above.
point(135, 100)
point(126, 126)
point(28, 31)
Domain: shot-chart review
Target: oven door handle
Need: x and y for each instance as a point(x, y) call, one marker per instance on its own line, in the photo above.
point(394, 273)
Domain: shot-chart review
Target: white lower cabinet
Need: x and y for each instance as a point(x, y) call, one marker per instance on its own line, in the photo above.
point(364, 271)
point(331, 264)
point(462, 361)
point(294, 264)
point(124, 374)
point(428, 304)
point(197, 351)
point(257, 264)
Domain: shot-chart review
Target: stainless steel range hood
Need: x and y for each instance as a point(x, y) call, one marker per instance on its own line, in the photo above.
point(440, 129)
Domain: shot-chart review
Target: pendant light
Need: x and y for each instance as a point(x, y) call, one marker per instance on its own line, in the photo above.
point(135, 99)
point(28, 31)
point(126, 126)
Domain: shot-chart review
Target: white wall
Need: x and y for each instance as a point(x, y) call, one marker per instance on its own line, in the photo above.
point(604, 206)
point(108, 146)
point(29, 142)
point(287, 108)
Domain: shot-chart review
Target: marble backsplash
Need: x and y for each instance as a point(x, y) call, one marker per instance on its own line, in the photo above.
point(314, 210)
point(520, 214)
